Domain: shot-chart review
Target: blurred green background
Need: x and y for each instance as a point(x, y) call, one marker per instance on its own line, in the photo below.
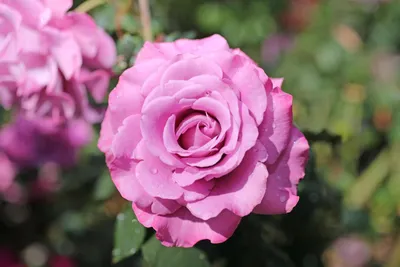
point(340, 60)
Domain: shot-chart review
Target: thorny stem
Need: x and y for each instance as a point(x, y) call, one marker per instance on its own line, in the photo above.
point(145, 18)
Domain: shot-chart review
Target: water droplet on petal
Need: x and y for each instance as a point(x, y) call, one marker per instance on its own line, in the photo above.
point(278, 177)
point(273, 125)
point(154, 171)
point(282, 198)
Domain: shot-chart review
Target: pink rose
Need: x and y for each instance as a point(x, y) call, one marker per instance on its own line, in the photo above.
point(197, 136)
point(50, 60)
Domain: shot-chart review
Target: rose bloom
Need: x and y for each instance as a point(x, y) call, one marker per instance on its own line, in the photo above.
point(51, 61)
point(34, 142)
point(197, 136)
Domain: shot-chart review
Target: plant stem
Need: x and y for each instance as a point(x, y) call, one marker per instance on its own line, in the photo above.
point(368, 182)
point(145, 18)
point(89, 5)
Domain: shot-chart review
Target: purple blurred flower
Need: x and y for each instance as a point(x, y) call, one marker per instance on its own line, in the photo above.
point(33, 142)
point(352, 251)
point(8, 258)
point(274, 46)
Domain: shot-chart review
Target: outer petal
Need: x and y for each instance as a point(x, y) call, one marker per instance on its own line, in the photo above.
point(169, 50)
point(281, 195)
point(106, 134)
point(155, 177)
point(124, 100)
point(58, 7)
point(107, 52)
point(34, 13)
point(11, 21)
point(276, 127)
point(66, 52)
point(123, 175)
point(182, 229)
point(239, 191)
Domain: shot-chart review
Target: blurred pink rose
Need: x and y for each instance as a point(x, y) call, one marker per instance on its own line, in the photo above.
point(50, 60)
point(9, 259)
point(33, 142)
point(350, 251)
point(61, 261)
point(274, 46)
point(7, 173)
point(197, 136)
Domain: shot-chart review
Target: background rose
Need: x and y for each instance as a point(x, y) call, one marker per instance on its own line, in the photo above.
point(50, 60)
point(33, 142)
point(197, 136)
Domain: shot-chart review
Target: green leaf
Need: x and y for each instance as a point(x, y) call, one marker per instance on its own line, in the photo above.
point(130, 24)
point(104, 17)
point(104, 187)
point(128, 236)
point(156, 255)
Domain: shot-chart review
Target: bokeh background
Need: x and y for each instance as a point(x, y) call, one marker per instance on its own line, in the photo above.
point(340, 60)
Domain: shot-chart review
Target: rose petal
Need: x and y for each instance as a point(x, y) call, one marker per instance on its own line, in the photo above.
point(154, 119)
point(239, 191)
point(281, 195)
point(155, 177)
point(169, 50)
point(182, 229)
point(276, 126)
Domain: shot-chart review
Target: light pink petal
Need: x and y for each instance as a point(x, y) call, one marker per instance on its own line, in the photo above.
point(155, 177)
point(198, 190)
point(9, 43)
point(182, 229)
point(107, 52)
point(252, 91)
point(83, 29)
point(96, 83)
point(122, 171)
point(144, 217)
point(106, 134)
point(154, 118)
point(276, 126)
point(281, 195)
point(188, 68)
point(248, 139)
point(169, 50)
point(277, 82)
point(127, 137)
point(239, 191)
point(58, 7)
point(124, 100)
point(66, 52)
point(33, 13)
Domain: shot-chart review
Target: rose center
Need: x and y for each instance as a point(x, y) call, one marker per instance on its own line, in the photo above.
point(197, 129)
